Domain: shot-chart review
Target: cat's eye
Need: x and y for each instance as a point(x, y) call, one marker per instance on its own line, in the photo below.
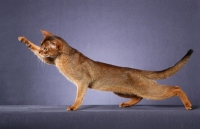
point(53, 43)
point(45, 49)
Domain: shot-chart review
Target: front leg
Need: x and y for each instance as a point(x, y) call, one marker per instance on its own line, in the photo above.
point(81, 90)
point(35, 49)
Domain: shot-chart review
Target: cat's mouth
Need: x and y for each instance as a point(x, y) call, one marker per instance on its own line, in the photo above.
point(44, 55)
point(47, 56)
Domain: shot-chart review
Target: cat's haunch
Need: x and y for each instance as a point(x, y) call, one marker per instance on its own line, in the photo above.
point(86, 73)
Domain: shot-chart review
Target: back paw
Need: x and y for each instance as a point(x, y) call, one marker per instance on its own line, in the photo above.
point(124, 104)
point(188, 106)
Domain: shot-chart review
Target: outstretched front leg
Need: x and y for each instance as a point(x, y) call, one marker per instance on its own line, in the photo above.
point(35, 49)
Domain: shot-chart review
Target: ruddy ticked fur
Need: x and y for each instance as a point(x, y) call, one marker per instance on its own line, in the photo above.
point(87, 73)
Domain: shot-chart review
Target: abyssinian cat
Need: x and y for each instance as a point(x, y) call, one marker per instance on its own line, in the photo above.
point(86, 73)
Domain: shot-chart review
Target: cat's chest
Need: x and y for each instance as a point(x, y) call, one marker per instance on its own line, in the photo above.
point(65, 68)
point(69, 69)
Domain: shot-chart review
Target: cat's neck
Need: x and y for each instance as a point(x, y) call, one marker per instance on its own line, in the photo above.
point(67, 53)
point(68, 61)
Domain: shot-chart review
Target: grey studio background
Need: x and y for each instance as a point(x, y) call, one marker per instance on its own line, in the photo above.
point(143, 34)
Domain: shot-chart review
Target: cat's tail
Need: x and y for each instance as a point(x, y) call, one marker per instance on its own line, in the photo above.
point(157, 75)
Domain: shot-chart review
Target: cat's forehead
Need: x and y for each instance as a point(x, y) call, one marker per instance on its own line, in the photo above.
point(52, 40)
point(47, 40)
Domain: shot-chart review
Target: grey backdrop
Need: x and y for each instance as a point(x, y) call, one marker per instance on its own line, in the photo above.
point(143, 34)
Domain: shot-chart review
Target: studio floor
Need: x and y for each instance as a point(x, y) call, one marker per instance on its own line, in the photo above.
point(98, 117)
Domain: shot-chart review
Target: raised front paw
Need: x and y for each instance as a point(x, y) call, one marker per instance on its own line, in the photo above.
point(71, 108)
point(24, 40)
point(21, 38)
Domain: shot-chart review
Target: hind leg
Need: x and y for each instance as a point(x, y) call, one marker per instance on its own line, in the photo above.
point(160, 92)
point(134, 99)
point(178, 92)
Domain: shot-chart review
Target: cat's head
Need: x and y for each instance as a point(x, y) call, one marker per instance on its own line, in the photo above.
point(51, 46)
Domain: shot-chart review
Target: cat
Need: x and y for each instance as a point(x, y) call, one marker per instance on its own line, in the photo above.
point(123, 81)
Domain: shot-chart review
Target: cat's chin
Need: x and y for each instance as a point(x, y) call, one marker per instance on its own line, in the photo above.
point(45, 56)
point(48, 56)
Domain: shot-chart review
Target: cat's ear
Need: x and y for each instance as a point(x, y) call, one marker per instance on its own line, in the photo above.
point(46, 33)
